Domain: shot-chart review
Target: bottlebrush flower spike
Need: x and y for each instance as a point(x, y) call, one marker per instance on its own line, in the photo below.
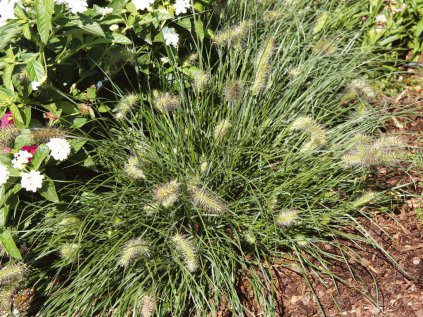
point(165, 101)
point(148, 304)
point(321, 21)
point(262, 67)
point(364, 199)
point(12, 273)
point(126, 105)
point(366, 152)
point(221, 129)
point(8, 135)
point(69, 251)
point(362, 88)
point(131, 250)
point(234, 35)
point(43, 135)
point(234, 91)
point(187, 252)
point(316, 132)
point(271, 16)
point(205, 199)
point(133, 169)
point(167, 194)
point(286, 218)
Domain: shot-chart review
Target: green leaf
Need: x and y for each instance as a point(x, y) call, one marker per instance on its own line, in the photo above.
point(9, 244)
point(48, 191)
point(199, 29)
point(16, 114)
point(7, 34)
point(121, 39)
point(90, 26)
point(36, 71)
point(40, 155)
point(44, 11)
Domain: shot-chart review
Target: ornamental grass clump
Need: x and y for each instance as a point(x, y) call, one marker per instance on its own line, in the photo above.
point(247, 177)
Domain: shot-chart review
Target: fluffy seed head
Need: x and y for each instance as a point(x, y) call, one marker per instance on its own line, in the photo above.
point(316, 132)
point(133, 169)
point(250, 238)
point(234, 35)
point(272, 202)
point(272, 15)
point(205, 199)
point(43, 135)
point(151, 209)
point(362, 88)
point(364, 199)
point(125, 106)
point(385, 150)
point(165, 101)
point(69, 225)
point(186, 251)
point(131, 250)
point(325, 47)
point(201, 79)
point(7, 135)
point(69, 251)
point(6, 294)
point(167, 194)
point(321, 21)
point(286, 218)
point(233, 91)
point(12, 274)
point(221, 129)
point(263, 64)
point(148, 304)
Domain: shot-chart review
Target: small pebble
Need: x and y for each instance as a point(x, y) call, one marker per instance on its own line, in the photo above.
point(416, 261)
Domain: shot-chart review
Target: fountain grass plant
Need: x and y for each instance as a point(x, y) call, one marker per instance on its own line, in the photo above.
point(247, 173)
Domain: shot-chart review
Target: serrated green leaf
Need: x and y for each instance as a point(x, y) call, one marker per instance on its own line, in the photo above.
point(121, 39)
point(8, 32)
point(44, 11)
point(35, 70)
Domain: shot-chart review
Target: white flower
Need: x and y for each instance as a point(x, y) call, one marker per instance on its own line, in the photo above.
point(114, 27)
point(181, 6)
point(75, 6)
point(4, 174)
point(170, 36)
point(142, 4)
point(60, 148)
point(6, 10)
point(105, 11)
point(381, 20)
point(35, 85)
point(21, 158)
point(32, 181)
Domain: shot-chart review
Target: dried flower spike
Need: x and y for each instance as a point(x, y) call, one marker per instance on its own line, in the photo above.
point(205, 199)
point(364, 199)
point(286, 218)
point(167, 194)
point(131, 250)
point(363, 89)
point(187, 252)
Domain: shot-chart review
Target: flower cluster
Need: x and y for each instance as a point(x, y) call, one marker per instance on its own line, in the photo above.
point(75, 6)
point(32, 180)
point(143, 4)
